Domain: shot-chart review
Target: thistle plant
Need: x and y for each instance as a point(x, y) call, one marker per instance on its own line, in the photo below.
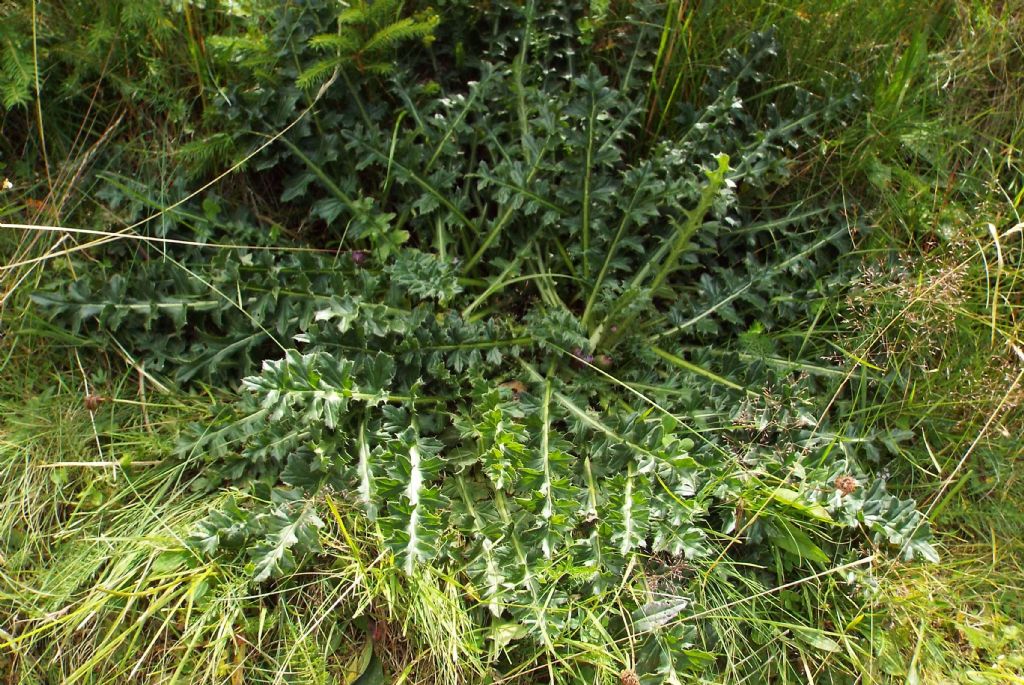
point(531, 350)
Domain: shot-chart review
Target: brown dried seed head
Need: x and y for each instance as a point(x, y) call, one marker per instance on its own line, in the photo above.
point(629, 677)
point(93, 402)
point(846, 484)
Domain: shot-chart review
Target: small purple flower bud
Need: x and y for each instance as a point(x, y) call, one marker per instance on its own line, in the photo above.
point(358, 257)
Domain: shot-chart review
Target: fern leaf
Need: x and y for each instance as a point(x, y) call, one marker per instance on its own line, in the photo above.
point(398, 32)
point(377, 68)
point(318, 72)
point(380, 12)
point(17, 78)
point(353, 15)
point(345, 42)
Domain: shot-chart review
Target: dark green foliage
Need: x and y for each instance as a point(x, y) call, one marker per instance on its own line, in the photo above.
point(92, 67)
point(273, 538)
point(537, 347)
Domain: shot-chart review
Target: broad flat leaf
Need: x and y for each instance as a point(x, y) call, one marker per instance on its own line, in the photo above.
point(358, 664)
point(796, 542)
point(794, 500)
point(373, 674)
point(656, 614)
point(816, 638)
point(504, 633)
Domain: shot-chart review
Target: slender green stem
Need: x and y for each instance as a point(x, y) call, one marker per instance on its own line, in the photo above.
point(694, 219)
point(505, 217)
point(611, 251)
point(587, 174)
point(700, 371)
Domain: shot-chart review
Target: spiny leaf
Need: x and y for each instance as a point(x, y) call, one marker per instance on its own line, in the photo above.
point(290, 531)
